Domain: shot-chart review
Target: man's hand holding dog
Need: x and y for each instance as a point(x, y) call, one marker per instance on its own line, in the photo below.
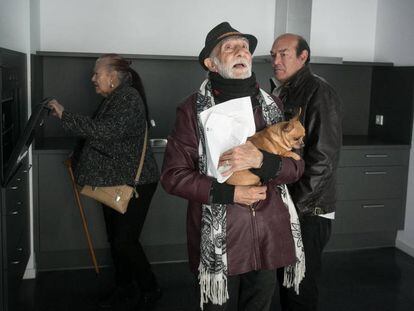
point(240, 158)
point(248, 195)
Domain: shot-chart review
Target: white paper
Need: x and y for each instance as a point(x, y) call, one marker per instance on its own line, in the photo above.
point(226, 126)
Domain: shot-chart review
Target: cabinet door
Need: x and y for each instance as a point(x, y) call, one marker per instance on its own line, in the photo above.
point(14, 226)
point(14, 275)
point(371, 182)
point(17, 192)
point(368, 215)
point(374, 157)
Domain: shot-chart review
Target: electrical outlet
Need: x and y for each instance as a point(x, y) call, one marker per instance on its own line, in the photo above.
point(379, 119)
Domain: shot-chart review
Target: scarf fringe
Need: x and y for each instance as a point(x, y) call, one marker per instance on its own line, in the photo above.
point(213, 287)
point(294, 274)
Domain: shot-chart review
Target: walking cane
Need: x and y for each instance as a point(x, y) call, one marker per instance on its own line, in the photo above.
point(84, 222)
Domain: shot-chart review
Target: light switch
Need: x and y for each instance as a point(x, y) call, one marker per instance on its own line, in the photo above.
point(379, 119)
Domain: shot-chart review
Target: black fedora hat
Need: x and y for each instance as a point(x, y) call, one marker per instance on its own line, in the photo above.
point(218, 33)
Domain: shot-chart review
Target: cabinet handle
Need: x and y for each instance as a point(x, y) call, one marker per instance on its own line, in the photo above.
point(375, 173)
point(15, 213)
point(376, 155)
point(373, 205)
point(14, 188)
point(19, 249)
point(16, 262)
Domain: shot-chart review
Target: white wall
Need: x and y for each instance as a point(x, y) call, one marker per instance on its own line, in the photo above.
point(395, 32)
point(14, 25)
point(175, 27)
point(34, 25)
point(344, 29)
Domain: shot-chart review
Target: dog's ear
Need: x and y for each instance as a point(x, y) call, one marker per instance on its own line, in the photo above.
point(296, 117)
point(287, 127)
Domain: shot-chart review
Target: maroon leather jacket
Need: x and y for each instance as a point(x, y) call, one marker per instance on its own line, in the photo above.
point(254, 242)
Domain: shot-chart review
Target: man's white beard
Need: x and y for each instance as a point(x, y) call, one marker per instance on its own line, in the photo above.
point(227, 71)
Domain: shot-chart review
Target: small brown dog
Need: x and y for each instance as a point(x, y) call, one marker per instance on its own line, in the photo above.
point(280, 139)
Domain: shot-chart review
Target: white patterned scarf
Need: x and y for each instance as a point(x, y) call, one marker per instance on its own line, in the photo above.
point(294, 273)
point(213, 257)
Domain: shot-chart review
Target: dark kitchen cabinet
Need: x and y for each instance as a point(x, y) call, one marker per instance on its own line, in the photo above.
point(14, 192)
point(15, 234)
point(372, 187)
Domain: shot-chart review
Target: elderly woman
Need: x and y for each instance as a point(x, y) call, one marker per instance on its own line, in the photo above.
point(114, 139)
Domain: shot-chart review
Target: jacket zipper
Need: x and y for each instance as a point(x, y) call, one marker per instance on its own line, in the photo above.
point(255, 242)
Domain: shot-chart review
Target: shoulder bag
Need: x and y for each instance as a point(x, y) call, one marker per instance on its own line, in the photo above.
point(117, 197)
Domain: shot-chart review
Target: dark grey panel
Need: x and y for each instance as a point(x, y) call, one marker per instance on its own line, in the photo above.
point(60, 226)
point(374, 157)
point(353, 85)
point(36, 63)
point(14, 226)
point(169, 81)
point(368, 215)
point(17, 63)
point(371, 182)
point(392, 97)
point(69, 81)
point(166, 219)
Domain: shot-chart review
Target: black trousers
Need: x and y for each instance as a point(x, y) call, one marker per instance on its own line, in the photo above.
point(251, 291)
point(124, 230)
point(316, 232)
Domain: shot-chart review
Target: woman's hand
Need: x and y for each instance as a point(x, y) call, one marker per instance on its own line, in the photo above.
point(56, 108)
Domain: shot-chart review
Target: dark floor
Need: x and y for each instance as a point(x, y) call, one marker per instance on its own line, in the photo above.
point(377, 280)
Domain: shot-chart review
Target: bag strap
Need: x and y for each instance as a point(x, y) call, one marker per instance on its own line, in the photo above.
point(144, 149)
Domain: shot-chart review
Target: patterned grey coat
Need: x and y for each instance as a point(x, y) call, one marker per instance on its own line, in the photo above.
point(114, 141)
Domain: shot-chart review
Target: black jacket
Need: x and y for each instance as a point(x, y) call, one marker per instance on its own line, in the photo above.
point(114, 141)
point(322, 120)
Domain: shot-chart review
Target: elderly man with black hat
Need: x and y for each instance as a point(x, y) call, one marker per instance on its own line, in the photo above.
point(237, 235)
